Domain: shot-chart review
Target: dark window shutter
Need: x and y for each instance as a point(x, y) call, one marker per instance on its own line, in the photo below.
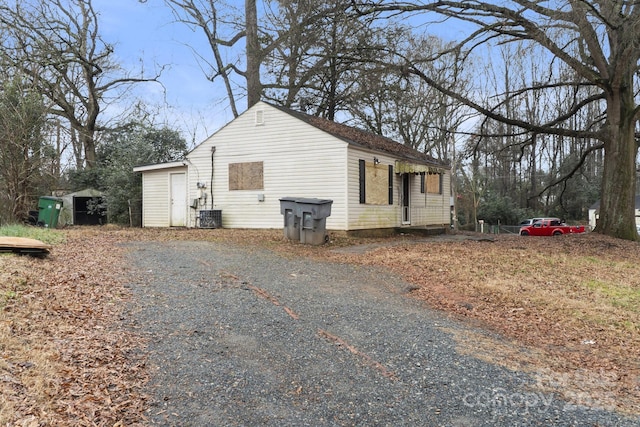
point(422, 179)
point(390, 184)
point(363, 173)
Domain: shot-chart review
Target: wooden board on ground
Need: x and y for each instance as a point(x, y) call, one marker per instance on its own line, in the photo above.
point(23, 245)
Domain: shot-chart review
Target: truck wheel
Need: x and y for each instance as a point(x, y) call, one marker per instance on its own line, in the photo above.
point(524, 233)
point(557, 233)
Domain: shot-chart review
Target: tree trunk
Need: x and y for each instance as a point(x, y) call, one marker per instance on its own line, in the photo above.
point(254, 87)
point(617, 202)
point(89, 144)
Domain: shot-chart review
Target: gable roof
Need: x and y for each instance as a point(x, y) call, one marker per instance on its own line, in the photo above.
point(364, 139)
point(354, 136)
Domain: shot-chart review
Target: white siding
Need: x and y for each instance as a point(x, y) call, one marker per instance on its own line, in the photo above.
point(431, 209)
point(426, 209)
point(299, 161)
point(155, 197)
point(364, 216)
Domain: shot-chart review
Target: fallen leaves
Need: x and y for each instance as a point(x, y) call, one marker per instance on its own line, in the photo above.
point(65, 359)
point(568, 305)
point(573, 299)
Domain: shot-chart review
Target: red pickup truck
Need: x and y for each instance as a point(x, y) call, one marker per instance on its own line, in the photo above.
point(550, 227)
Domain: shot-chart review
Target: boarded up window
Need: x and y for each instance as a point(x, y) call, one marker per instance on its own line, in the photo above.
point(246, 176)
point(377, 184)
point(434, 183)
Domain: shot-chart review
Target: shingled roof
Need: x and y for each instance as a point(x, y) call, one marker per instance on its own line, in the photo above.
point(365, 139)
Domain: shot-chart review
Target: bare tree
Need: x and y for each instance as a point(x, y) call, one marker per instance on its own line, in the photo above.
point(255, 55)
point(404, 107)
point(224, 28)
point(599, 40)
point(295, 59)
point(22, 120)
point(292, 40)
point(57, 45)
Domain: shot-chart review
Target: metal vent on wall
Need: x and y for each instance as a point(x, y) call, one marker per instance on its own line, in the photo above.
point(259, 117)
point(210, 219)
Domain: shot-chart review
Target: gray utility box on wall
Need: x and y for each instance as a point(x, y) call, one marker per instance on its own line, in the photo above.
point(291, 220)
point(305, 219)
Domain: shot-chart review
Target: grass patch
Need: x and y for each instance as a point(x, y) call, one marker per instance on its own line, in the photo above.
point(45, 235)
point(615, 294)
point(7, 295)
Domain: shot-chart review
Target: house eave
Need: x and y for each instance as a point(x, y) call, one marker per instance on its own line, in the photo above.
point(405, 166)
point(160, 166)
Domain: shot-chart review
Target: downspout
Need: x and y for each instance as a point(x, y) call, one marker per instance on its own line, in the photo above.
point(213, 150)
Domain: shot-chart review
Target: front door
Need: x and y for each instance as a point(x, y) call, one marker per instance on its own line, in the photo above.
point(406, 187)
point(178, 199)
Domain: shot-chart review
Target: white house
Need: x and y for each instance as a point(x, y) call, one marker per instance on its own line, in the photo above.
point(270, 152)
point(594, 213)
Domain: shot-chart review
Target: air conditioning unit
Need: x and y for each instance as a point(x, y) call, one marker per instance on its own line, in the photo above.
point(210, 219)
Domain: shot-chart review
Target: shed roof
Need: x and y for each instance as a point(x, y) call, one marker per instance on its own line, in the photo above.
point(157, 166)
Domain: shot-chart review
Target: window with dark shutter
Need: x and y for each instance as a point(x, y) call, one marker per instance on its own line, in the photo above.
point(390, 184)
point(363, 174)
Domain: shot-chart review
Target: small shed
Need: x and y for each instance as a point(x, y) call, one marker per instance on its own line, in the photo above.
point(85, 207)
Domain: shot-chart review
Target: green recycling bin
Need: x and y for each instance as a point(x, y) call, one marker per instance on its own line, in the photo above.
point(48, 211)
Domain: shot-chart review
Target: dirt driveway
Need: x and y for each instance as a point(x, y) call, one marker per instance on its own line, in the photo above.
point(243, 336)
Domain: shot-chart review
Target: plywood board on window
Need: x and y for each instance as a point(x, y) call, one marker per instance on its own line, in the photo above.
point(433, 183)
point(246, 176)
point(377, 180)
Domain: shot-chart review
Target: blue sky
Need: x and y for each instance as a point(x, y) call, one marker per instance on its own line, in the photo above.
point(186, 99)
point(145, 32)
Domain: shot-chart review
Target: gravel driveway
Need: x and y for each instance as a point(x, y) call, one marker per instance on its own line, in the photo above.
point(246, 337)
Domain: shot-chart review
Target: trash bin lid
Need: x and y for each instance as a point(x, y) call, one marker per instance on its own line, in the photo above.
point(313, 201)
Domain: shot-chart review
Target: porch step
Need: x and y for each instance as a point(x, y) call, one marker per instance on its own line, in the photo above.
point(431, 230)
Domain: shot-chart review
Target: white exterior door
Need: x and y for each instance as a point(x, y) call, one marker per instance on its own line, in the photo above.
point(178, 199)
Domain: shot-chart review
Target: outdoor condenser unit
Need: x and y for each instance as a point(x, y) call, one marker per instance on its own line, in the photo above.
point(210, 218)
